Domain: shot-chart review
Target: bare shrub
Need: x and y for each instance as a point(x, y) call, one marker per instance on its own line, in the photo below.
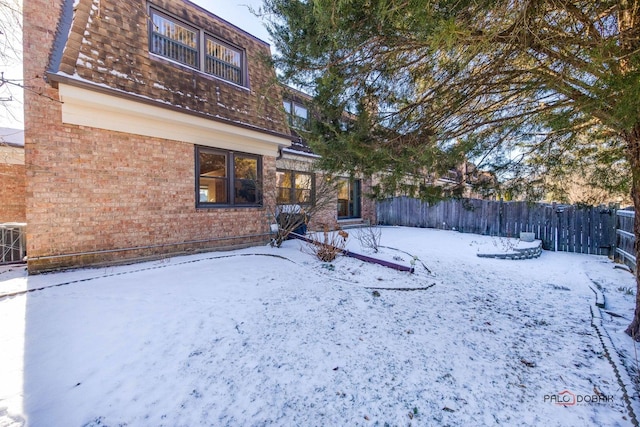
point(285, 218)
point(369, 237)
point(327, 247)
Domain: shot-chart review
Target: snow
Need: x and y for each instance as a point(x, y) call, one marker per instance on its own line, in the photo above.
point(503, 245)
point(272, 336)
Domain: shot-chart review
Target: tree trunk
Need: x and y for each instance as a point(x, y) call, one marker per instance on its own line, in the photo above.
point(633, 154)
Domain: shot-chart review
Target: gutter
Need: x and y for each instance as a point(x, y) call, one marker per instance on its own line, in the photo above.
point(100, 88)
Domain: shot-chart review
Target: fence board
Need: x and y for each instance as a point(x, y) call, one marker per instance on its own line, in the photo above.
point(625, 239)
point(560, 227)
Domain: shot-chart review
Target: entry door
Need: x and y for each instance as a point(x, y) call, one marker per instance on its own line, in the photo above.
point(349, 198)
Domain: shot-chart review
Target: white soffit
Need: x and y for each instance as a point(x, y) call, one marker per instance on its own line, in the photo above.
point(86, 107)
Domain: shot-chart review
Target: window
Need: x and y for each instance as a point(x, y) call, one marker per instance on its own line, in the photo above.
point(223, 61)
point(348, 198)
point(227, 178)
point(297, 113)
point(294, 188)
point(174, 40)
point(182, 42)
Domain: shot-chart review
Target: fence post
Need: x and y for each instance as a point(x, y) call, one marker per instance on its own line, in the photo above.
point(500, 217)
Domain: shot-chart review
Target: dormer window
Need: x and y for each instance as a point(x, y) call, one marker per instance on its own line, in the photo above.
point(181, 42)
point(174, 40)
point(223, 61)
point(297, 113)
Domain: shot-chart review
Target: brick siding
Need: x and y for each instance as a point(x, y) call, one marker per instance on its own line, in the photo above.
point(97, 190)
point(12, 191)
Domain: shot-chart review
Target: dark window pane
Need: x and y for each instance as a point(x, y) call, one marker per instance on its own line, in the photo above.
point(283, 185)
point(246, 167)
point(283, 179)
point(284, 196)
point(213, 164)
point(303, 181)
point(303, 196)
point(213, 190)
point(224, 61)
point(343, 189)
point(245, 191)
point(246, 175)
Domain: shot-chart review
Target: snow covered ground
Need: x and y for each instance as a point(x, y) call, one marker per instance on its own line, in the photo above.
point(272, 336)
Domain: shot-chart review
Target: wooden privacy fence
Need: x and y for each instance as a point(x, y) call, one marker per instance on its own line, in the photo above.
point(568, 228)
point(625, 239)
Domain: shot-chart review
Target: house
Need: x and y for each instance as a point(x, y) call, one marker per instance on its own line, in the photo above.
point(153, 128)
point(12, 176)
point(299, 182)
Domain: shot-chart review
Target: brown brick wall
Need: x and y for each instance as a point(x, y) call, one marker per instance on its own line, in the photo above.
point(99, 190)
point(12, 192)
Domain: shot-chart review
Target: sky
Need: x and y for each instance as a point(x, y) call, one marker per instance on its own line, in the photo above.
point(236, 12)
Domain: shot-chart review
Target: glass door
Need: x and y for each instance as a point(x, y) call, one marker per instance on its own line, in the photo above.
point(349, 198)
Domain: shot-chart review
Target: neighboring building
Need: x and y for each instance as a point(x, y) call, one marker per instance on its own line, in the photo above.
point(12, 176)
point(472, 182)
point(153, 127)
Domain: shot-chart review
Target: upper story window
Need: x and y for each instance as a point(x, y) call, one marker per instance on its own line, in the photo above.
point(223, 61)
point(297, 113)
point(174, 40)
point(182, 42)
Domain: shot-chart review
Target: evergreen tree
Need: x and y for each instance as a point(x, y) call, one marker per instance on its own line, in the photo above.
point(529, 89)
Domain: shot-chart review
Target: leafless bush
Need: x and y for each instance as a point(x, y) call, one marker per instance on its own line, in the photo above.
point(285, 218)
point(327, 247)
point(369, 237)
point(289, 218)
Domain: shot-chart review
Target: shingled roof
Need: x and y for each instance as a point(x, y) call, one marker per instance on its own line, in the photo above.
point(105, 44)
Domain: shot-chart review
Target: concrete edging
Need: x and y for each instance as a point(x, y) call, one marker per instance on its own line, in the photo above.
point(517, 253)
